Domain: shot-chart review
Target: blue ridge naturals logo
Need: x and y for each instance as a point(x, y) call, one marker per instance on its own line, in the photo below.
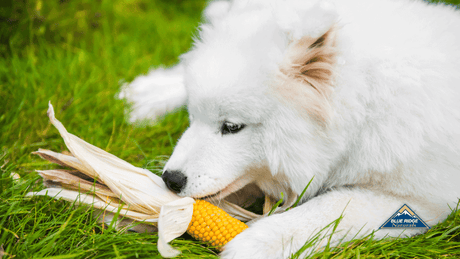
point(404, 218)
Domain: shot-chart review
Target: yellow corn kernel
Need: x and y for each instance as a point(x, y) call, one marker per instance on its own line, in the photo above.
point(215, 225)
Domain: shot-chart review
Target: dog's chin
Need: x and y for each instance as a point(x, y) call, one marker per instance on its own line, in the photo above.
point(234, 186)
point(239, 193)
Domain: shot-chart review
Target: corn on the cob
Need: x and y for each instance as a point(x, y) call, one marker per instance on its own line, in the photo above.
point(116, 186)
point(211, 224)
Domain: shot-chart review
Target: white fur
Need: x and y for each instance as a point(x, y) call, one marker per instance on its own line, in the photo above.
point(392, 137)
point(153, 95)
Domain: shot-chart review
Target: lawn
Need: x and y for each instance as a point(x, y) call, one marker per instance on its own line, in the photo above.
point(77, 54)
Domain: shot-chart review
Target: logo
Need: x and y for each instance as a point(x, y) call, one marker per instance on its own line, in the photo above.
point(404, 218)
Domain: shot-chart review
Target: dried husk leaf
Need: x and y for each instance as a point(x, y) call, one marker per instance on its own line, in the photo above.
point(106, 182)
point(173, 222)
point(132, 184)
point(289, 199)
point(268, 204)
point(71, 181)
point(64, 160)
point(124, 224)
point(82, 198)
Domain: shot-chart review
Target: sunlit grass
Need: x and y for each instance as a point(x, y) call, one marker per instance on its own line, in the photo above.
point(76, 54)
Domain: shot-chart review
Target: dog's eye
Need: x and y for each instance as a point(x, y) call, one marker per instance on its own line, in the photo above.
point(231, 128)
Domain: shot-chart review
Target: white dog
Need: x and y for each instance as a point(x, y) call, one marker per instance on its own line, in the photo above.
point(362, 95)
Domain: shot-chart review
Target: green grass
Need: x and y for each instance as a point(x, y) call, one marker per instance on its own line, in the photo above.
point(441, 241)
point(76, 53)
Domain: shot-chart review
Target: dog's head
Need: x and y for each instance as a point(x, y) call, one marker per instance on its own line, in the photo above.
point(258, 85)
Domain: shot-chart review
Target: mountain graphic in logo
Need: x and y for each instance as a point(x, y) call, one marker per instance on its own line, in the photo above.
point(404, 218)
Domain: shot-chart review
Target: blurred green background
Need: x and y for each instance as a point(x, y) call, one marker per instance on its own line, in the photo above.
point(77, 54)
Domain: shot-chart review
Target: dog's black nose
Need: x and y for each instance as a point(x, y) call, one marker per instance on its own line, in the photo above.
point(175, 180)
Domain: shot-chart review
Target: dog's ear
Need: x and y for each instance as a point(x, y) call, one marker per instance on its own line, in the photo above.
point(305, 77)
point(311, 53)
point(311, 60)
point(305, 82)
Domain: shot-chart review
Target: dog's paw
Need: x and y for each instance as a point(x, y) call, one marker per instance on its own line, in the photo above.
point(266, 238)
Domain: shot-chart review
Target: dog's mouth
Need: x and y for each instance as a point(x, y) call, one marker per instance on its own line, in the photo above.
point(210, 196)
point(246, 194)
point(233, 187)
point(249, 196)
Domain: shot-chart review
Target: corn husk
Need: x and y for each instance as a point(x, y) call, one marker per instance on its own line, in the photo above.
point(99, 179)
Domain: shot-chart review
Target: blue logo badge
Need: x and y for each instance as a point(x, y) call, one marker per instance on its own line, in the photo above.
point(404, 218)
